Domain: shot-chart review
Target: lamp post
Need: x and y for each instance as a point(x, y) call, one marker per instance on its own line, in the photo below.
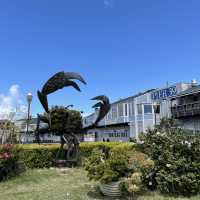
point(29, 100)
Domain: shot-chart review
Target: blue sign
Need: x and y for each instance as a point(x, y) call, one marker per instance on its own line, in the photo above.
point(165, 93)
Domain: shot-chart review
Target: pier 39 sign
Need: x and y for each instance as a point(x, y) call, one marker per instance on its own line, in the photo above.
point(164, 93)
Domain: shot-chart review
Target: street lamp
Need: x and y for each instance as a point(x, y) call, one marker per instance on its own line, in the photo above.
point(29, 100)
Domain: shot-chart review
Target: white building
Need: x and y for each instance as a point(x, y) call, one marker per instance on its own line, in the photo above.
point(133, 115)
point(30, 137)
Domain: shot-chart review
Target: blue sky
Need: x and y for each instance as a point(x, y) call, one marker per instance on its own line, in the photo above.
point(121, 47)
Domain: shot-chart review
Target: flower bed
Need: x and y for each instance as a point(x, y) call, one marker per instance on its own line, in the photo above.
point(8, 161)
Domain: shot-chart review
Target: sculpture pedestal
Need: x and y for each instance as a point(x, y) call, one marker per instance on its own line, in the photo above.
point(64, 163)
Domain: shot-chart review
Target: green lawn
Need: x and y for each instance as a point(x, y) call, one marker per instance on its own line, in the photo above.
point(54, 184)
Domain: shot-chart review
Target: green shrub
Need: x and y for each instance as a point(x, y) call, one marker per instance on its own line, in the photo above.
point(140, 165)
point(140, 162)
point(177, 160)
point(37, 158)
point(41, 156)
point(132, 185)
point(106, 169)
point(121, 163)
point(86, 148)
point(184, 184)
point(50, 147)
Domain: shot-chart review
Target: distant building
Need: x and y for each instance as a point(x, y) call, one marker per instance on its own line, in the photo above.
point(30, 137)
point(133, 115)
point(127, 117)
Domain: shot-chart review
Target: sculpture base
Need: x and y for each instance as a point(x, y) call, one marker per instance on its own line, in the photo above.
point(64, 163)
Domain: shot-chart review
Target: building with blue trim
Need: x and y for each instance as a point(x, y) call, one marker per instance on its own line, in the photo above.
point(133, 115)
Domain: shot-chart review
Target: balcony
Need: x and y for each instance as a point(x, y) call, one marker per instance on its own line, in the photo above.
point(186, 110)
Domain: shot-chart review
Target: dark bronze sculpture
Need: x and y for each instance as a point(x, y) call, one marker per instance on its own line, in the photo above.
point(103, 106)
point(56, 82)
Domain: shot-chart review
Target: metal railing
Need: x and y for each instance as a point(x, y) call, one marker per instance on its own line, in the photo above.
point(186, 110)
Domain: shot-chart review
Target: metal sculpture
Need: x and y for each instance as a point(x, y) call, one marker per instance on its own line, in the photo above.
point(56, 82)
point(103, 106)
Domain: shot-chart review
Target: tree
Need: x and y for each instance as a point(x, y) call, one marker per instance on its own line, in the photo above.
point(63, 119)
point(8, 131)
point(74, 122)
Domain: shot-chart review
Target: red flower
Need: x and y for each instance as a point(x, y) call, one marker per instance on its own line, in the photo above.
point(6, 156)
point(8, 146)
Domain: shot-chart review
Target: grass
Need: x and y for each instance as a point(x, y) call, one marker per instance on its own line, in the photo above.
point(52, 184)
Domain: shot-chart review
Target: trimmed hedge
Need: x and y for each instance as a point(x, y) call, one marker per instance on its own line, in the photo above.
point(38, 156)
point(86, 148)
point(41, 156)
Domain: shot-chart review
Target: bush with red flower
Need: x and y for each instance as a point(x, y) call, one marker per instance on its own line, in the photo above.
point(8, 161)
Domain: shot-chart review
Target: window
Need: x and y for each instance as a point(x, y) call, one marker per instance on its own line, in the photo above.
point(108, 116)
point(133, 108)
point(148, 109)
point(130, 109)
point(114, 112)
point(125, 109)
point(157, 109)
point(120, 109)
point(195, 98)
point(139, 108)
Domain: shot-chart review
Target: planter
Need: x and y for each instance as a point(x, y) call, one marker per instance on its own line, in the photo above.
point(111, 189)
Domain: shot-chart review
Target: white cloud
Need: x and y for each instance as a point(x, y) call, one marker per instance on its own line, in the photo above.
point(11, 104)
point(108, 3)
point(14, 90)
